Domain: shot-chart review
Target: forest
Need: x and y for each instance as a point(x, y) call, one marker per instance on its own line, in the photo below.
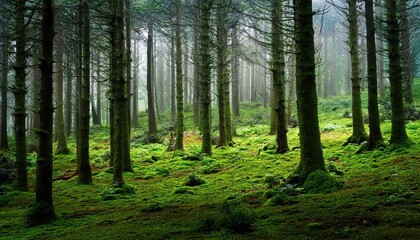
point(210, 119)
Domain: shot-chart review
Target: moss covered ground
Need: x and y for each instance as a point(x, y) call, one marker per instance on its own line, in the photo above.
point(237, 193)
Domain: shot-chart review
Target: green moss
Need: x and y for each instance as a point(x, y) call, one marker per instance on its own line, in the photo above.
point(116, 192)
point(320, 182)
point(193, 180)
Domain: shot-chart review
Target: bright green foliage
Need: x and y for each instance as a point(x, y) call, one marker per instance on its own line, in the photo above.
point(115, 192)
point(320, 182)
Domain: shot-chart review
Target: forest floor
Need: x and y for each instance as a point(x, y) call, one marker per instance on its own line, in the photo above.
point(379, 197)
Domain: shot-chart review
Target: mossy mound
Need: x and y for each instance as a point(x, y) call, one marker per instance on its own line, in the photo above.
point(194, 180)
point(320, 182)
point(117, 192)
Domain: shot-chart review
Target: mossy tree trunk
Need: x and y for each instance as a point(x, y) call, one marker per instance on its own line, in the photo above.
point(4, 66)
point(179, 145)
point(279, 77)
point(44, 209)
point(311, 157)
point(61, 147)
point(20, 90)
point(69, 94)
point(205, 75)
point(150, 92)
point(118, 83)
point(398, 132)
point(235, 71)
point(375, 137)
point(359, 134)
point(135, 108)
point(221, 49)
point(85, 174)
point(407, 58)
point(127, 89)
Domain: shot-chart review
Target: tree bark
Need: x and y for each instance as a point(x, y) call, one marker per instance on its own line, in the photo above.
point(85, 174)
point(44, 209)
point(118, 84)
point(20, 90)
point(4, 143)
point(278, 69)
point(235, 72)
point(359, 134)
point(407, 64)
point(150, 92)
point(69, 93)
point(398, 132)
point(311, 157)
point(61, 147)
point(127, 167)
point(375, 136)
point(135, 108)
point(179, 88)
point(205, 75)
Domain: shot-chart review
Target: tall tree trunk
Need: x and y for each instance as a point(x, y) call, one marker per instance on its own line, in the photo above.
point(196, 93)
point(69, 93)
point(150, 92)
point(160, 78)
point(61, 147)
point(334, 65)
point(44, 212)
point(19, 90)
point(235, 71)
point(359, 134)
point(375, 136)
point(173, 77)
point(407, 64)
point(98, 90)
point(185, 71)
point(79, 80)
point(380, 54)
point(221, 47)
point(4, 143)
point(85, 174)
point(179, 90)
point(127, 167)
point(135, 108)
point(278, 68)
point(311, 157)
point(326, 92)
point(118, 85)
point(398, 132)
point(205, 78)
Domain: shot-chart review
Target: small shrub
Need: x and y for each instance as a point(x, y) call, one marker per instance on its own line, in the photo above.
point(153, 207)
point(194, 180)
point(238, 219)
point(183, 190)
point(115, 192)
point(5, 189)
point(7, 168)
point(271, 180)
point(162, 171)
point(279, 199)
point(320, 182)
point(207, 223)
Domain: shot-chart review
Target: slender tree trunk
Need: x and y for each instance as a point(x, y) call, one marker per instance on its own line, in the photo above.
point(278, 69)
point(311, 157)
point(150, 91)
point(221, 47)
point(62, 147)
point(79, 80)
point(127, 167)
point(235, 71)
point(375, 136)
point(19, 90)
point(205, 78)
point(196, 93)
point(4, 143)
point(98, 90)
point(380, 67)
point(327, 66)
point(185, 71)
point(85, 175)
point(118, 85)
point(160, 76)
point(179, 89)
point(173, 76)
point(69, 93)
point(398, 132)
point(359, 134)
point(407, 64)
point(135, 108)
point(44, 209)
